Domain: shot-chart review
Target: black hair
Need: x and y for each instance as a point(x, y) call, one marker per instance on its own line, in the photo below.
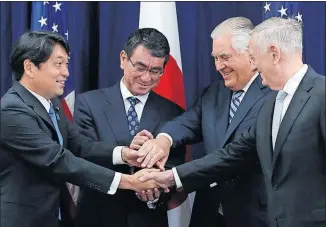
point(36, 46)
point(151, 39)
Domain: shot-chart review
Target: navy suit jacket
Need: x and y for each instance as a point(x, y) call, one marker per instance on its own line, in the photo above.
point(208, 121)
point(294, 172)
point(100, 115)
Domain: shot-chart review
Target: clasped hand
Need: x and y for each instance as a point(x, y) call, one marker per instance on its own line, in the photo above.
point(145, 151)
point(147, 183)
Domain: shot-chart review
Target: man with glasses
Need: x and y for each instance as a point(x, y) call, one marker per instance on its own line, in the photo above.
point(119, 115)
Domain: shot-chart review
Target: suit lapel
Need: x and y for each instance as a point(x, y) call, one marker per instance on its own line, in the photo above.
point(116, 114)
point(151, 116)
point(266, 132)
point(34, 103)
point(253, 94)
point(297, 103)
point(222, 113)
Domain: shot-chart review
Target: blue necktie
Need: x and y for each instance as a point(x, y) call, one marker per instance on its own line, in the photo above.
point(132, 117)
point(277, 116)
point(55, 123)
point(235, 103)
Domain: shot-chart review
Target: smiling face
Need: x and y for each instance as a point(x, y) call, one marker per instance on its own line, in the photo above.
point(266, 64)
point(234, 67)
point(142, 71)
point(49, 79)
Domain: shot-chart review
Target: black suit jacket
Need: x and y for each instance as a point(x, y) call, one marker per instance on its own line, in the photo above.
point(294, 172)
point(34, 167)
point(208, 120)
point(100, 115)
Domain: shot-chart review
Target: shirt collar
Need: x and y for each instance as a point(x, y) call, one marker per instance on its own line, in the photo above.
point(126, 93)
point(46, 103)
point(292, 84)
point(246, 87)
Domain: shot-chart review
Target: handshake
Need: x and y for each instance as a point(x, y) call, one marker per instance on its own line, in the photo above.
point(147, 153)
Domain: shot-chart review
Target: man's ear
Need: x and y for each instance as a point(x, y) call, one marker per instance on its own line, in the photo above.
point(123, 59)
point(29, 68)
point(253, 67)
point(275, 53)
point(252, 64)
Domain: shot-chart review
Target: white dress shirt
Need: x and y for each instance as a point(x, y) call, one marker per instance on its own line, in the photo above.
point(139, 110)
point(116, 155)
point(117, 159)
point(46, 103)
point(290, 87)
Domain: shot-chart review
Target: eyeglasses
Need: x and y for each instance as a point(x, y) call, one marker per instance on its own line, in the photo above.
point(143, 69)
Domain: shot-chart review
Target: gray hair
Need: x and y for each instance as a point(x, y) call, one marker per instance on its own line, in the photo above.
point(284, 33)
point(239, 28)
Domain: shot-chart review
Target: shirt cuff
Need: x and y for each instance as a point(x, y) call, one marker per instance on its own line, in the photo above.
point(115, 183)
point(213, 184)
point(166, 135)
point(152, 204)
point(176, 178)
point(116, 156)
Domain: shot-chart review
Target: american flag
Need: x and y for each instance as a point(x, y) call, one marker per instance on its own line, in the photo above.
point(51, 16)
point(284, 10)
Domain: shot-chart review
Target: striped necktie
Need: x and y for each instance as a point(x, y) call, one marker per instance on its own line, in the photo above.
point(235, 103)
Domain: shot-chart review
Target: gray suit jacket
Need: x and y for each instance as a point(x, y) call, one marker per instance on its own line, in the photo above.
point(294, 172)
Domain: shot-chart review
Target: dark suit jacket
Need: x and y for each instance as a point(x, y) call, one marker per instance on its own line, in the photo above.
point(294, 172)
point(208, 120)
point(34, 167)
point(101, 115)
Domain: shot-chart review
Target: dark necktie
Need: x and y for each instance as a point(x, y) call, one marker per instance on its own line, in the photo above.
point(133, 122)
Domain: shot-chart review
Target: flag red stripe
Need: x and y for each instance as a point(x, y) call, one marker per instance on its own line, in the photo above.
point(171, 84)
point(66, 109)
point(171, 87)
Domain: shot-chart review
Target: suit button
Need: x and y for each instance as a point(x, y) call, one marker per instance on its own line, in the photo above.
point(275, 187)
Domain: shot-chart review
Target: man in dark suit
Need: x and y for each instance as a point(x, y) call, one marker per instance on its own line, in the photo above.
point(104, 115)
point(225, 110)
point(289, 134)
point(38, 145)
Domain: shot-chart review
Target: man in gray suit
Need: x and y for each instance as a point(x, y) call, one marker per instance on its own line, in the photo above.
point(289, 134)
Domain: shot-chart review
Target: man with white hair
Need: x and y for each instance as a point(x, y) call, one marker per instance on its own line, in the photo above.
point(289, 134)
point(226, 109)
